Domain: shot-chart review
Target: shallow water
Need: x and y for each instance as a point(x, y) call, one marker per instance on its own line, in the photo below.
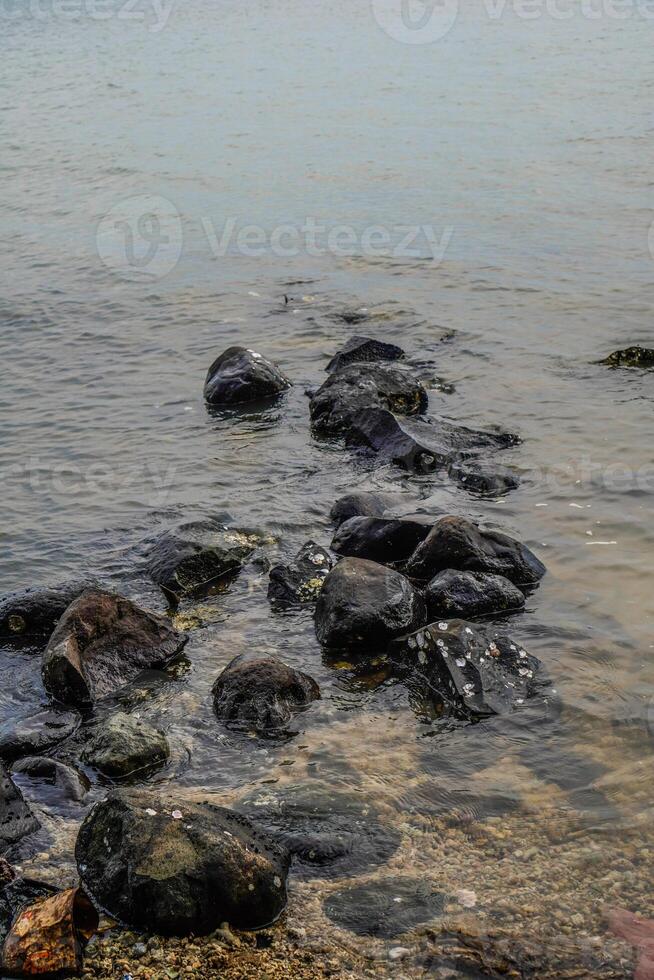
point(520, 144)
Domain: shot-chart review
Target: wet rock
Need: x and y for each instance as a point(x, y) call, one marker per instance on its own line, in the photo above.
point(329, 833)
point(102, 642)
point(359, 349)
point(457, 543)
point(418, 445)
point(365, 605)
point(36, 733)
point(261, 694)
point(241, 375)
point(16, 818)
point(179, 868)
point(73, 785)
point(638, 357)
point(364, 386)
point(189, 558)
point(34, 613)
point(468, 669)
point(385, 908)
point(301, 580)
point(483, 478)
point(123, 746)
point(453, 593)
point(362, 503)
point(381, 539)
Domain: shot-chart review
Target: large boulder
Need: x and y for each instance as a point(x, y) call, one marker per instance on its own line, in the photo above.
point(102, 642)
point(386, 540)
point(241, 375)
point(457, 543)
point(176, 868)
point(34, 613)
point(453, 593)
point(188, 558)
point(301, 580)
point(358, 349)
point(366, 503)
point(638, 357)
point(362, 386)
point(261, 694)
point(468, 669)
point(36, 733)
point(123, 746)
point(16, 818)
point(365, 605)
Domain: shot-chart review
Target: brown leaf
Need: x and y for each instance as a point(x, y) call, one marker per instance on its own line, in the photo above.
point(49, 936)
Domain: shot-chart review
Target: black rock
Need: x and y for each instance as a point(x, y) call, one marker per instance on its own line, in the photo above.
point(366, 503)
point(385, 908)
point(459, 594)
point(240, 375)
point(364, 386)
point(189, 558)
point(418, 445)
point(457, 543)
point(329, 833)
point(16, 818)
point(35, 612)
point(365, 605)
point(16, 895)
point(123, 747)
point(479, 477)
point(261, 694)
point(469, 669)
point(104, 641)
point(72, 784)
point(176, 868)
point(359, 349)
point(638, 357)
point(381, 539)
point(301, 580)
point(36, 733)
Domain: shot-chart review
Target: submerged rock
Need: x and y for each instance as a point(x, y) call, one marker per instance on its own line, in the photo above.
point(358, 349)
point(190, 557)
point(385, 908)
point(456, 543)
point(639, 357)
point(302, 579)
point(478, 476)
point(261, 694)
point(177, 868)
point(366, 503)
point(16, 818)
point(36, 733)
point(72, 784)
point(465, 594)
point(103, 641)
point(241, 375)
point(381, 539)
point(329, 833)
point(363, 386)
point(471, 670)
point(366, 605)
point(35, 612)
point(123, 746)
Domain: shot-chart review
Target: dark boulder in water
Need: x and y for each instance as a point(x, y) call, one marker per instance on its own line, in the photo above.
point(36, 733)
point(73, 785)
point(457, 543)
point(366, 503)
point(454, 593)
point(470, 670)
point(385, 540)
point(329, 833)
point(189, 558)
point(363, 386)
point(261, 694)
point(301, 580)
point(123, 746)
point(358, 349)
point(34, 613)
point(480, 477)
point(638, 357)
point(16, 818)
point(365, 605)
point(104, 641)
point(176, 868)
point(241, 375)
point(385, 908)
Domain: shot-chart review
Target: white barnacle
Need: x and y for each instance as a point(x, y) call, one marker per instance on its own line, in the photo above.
point(468, 630)
point(150, 812)
point(277, 881)
point(468, 689)
point(443, 627)
point(422, 657)
point(440, 643)
point(460, 661)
